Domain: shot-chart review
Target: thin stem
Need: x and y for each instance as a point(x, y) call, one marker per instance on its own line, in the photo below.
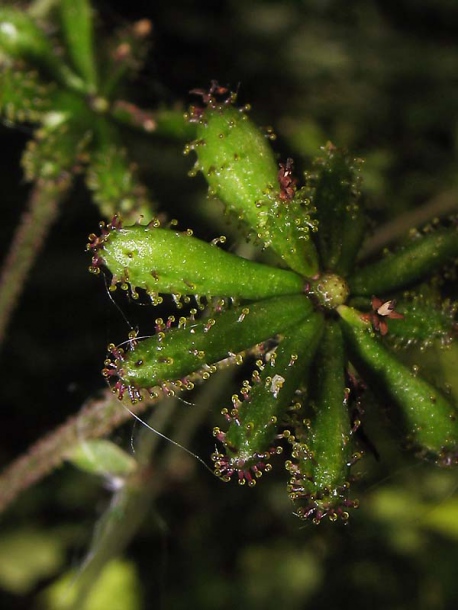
point(97, 418)
point(133, 500)
point(28, 240)
point(442, 205)
point(126, 511)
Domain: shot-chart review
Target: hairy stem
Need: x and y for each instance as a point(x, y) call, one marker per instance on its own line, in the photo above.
point(131, 503)
point(97, 418)
point(27, 242)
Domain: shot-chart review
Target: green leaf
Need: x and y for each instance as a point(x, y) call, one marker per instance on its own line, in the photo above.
point(409, 265)
point(171, 123)
point(322, 454)
point(124, 57)
point(334, 186)
point(430, 420)
point(240, 169)
point(424, 321)
point(55, 151)
point(249, 441)
point(102, 457)
point(21, 38)
point(115, 185)
point(172, 355)
point(77, 26)
point(165, 261)
point(23, 96)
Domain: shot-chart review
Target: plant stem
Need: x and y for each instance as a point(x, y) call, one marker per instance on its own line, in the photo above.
point(442, 205)
point(131, 503)
point(98, 417)
point(27, 242)
point(127, 509)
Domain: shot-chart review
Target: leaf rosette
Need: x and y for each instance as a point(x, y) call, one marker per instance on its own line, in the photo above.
point(321, 324)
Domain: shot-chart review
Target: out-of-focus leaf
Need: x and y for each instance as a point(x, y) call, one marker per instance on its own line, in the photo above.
point(443, 518)
point(26, 557)
point(102, 457)
point(118, 588)
point(279, 576)
point(77, 25)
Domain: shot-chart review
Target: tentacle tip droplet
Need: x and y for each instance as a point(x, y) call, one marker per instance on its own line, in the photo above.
point(315, 510)
point(246, 470)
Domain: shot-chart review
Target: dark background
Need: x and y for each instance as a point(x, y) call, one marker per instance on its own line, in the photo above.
point(377, 77)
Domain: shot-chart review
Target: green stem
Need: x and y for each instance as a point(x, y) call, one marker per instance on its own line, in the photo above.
point(42, 210)
point(133, 501)
point(126, 511)
point(97, 418)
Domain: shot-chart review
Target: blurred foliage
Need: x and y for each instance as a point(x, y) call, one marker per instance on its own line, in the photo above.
point(118, 588)
point(377, 77)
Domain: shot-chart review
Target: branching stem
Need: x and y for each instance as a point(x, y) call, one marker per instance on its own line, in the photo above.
point(156, 472)
point(97, 418)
